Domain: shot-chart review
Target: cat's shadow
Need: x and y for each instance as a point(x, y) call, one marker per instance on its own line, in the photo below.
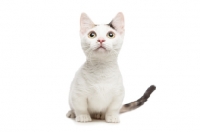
point(93, 121)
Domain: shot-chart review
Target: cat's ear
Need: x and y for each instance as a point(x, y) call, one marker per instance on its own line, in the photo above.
point(118, 23)
point(85, 23)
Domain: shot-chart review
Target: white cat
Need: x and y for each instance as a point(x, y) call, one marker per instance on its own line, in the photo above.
point(97, 90)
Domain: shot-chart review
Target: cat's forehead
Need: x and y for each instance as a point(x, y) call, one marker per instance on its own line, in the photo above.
point(102, 27)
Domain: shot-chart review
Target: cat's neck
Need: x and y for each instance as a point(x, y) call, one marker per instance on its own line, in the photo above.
point(102, 61)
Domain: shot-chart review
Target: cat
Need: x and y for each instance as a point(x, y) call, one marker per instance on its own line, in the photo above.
point(97, 90)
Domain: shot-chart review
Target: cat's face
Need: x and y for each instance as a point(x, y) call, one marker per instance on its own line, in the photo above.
point(100, 41)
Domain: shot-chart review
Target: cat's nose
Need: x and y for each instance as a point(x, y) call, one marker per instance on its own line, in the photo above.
point(101, 40)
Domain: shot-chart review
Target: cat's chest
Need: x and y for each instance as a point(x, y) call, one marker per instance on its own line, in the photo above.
point(102, 80)
point(105, 89)
point(100, 97)
point(101, 73)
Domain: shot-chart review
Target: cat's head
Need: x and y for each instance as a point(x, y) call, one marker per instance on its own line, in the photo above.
point(101, 41)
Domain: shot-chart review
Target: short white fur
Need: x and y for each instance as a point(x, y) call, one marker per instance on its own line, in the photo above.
point(97, 90)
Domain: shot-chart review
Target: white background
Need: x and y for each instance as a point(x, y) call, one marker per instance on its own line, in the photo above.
point(40, 52)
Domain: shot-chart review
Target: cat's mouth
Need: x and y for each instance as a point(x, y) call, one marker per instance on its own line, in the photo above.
point(101, 48)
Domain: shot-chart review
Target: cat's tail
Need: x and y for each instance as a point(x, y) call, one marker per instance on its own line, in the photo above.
point(139, 102)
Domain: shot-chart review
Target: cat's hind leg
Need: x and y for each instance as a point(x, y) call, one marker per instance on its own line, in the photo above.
point(71, 114)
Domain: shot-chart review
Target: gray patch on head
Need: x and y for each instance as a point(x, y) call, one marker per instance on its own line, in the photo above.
point(110, 25)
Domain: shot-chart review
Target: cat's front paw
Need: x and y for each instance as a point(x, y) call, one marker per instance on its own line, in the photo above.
point(112, 118)
point(83, 118)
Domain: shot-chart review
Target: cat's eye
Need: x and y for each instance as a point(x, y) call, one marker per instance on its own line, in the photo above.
point(92, 34)
point(110, 35)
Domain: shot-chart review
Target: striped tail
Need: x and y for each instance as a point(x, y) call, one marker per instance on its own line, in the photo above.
point(139, 102)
